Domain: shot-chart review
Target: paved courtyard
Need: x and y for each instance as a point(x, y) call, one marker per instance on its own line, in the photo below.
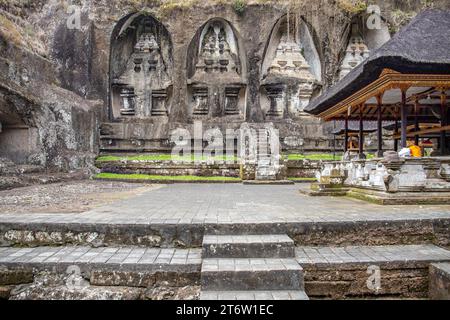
point(225, 204)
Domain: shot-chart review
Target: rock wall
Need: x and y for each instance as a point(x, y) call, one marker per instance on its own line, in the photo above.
point(55, 81)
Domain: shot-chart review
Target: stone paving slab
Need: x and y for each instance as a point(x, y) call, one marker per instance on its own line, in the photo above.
point(251, 274)
point(144, 259)
point(244, 265)
point(248, 246)
point(440, 281)
point(253, 295)
point(323, 256)
point(246, 239)
point(231, 204)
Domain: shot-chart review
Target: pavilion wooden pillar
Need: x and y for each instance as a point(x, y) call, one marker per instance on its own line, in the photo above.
point(361, 131)
point(416, 122)
point(443, 145)
point(346, 134)
point(404, 119)
point(396, 129)
point(380, 125)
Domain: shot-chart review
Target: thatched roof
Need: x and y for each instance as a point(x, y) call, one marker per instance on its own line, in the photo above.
point(353, 126)
point(422, 47)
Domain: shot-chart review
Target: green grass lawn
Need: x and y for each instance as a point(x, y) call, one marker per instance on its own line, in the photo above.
point(143, 177)
point(315, 156)
point(303, 179)
point(168, 157)
point(160, 157)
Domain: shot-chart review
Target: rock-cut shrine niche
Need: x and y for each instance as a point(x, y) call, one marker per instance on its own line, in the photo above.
point(291, 71)
point(216, 80)
point(141, 68)
point(361, 43)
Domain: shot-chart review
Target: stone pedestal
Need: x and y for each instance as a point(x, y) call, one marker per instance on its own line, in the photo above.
point(232, 101)
point(128, 103)
point(275, 95)
point(200, 95)
point(159, 98)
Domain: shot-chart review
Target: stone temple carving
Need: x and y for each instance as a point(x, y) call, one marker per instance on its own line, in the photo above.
point(289, 77)
point(216, 84)
point(216, 54)
point(357, 51)
point(289, 61)
point(143, 85)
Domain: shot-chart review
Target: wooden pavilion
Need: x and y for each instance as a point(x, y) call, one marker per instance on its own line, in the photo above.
point(406, 81)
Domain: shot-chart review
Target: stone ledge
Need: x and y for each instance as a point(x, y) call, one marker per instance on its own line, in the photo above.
point(18, 232)
point(440, 281)
point(341, 273)
point(401, 198)
point(253, 295)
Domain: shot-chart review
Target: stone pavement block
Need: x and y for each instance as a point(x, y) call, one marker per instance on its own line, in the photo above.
point(440, 281)
point(253, 295)
point(251, 274)
point(373, 255)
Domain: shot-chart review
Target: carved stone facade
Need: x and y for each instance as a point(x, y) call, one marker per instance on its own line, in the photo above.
point(357, 51)
point(141, 90)
point(216, 85)
point(288, 82)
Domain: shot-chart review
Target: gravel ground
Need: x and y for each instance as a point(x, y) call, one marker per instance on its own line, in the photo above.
point(68, 197)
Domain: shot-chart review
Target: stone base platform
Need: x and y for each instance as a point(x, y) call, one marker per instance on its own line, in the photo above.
point(190, 235)
point(268, 182)
point(400, 198)
point(136, 273)
point(440, 281)
point(351, 272)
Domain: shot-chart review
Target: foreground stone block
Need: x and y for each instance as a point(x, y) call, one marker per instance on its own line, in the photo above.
point(440, 281)
point(369, 271)
point(14, 277)
point(252, 246)
point(253, 295)
point(251, 274)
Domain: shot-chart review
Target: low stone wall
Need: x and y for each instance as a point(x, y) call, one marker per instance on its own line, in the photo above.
point(303, 168)
point(169, 168)
point(349, 281)
point(393, 176)
point(440, 281)
point(294, 169)
point(433, 231)
point(19, 283)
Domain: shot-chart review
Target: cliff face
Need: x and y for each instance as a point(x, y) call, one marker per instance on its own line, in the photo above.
point(54, 80)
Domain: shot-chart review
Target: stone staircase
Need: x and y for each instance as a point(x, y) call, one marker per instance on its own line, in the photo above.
point(250, 267)
point(265, 169)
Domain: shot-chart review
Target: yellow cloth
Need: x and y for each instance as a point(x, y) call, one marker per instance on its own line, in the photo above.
point(416, 152)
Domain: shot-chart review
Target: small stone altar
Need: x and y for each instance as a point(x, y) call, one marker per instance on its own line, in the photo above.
point(417, 180)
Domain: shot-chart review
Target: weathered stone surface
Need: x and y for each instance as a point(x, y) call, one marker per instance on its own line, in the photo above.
point(251, 274)
point(88, 293)
point(5, 292)
point(15, 276)
point(440, 281)
point(172, 293)
point(143, 279)
point(250, 246)
point(253, 295)
point(349, 272)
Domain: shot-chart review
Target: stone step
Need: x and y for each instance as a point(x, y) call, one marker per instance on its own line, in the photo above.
point(250, 246)
point(351, 272)
point(440, 281)
point(108, 266)
point(253, 295)
point(251, 274)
